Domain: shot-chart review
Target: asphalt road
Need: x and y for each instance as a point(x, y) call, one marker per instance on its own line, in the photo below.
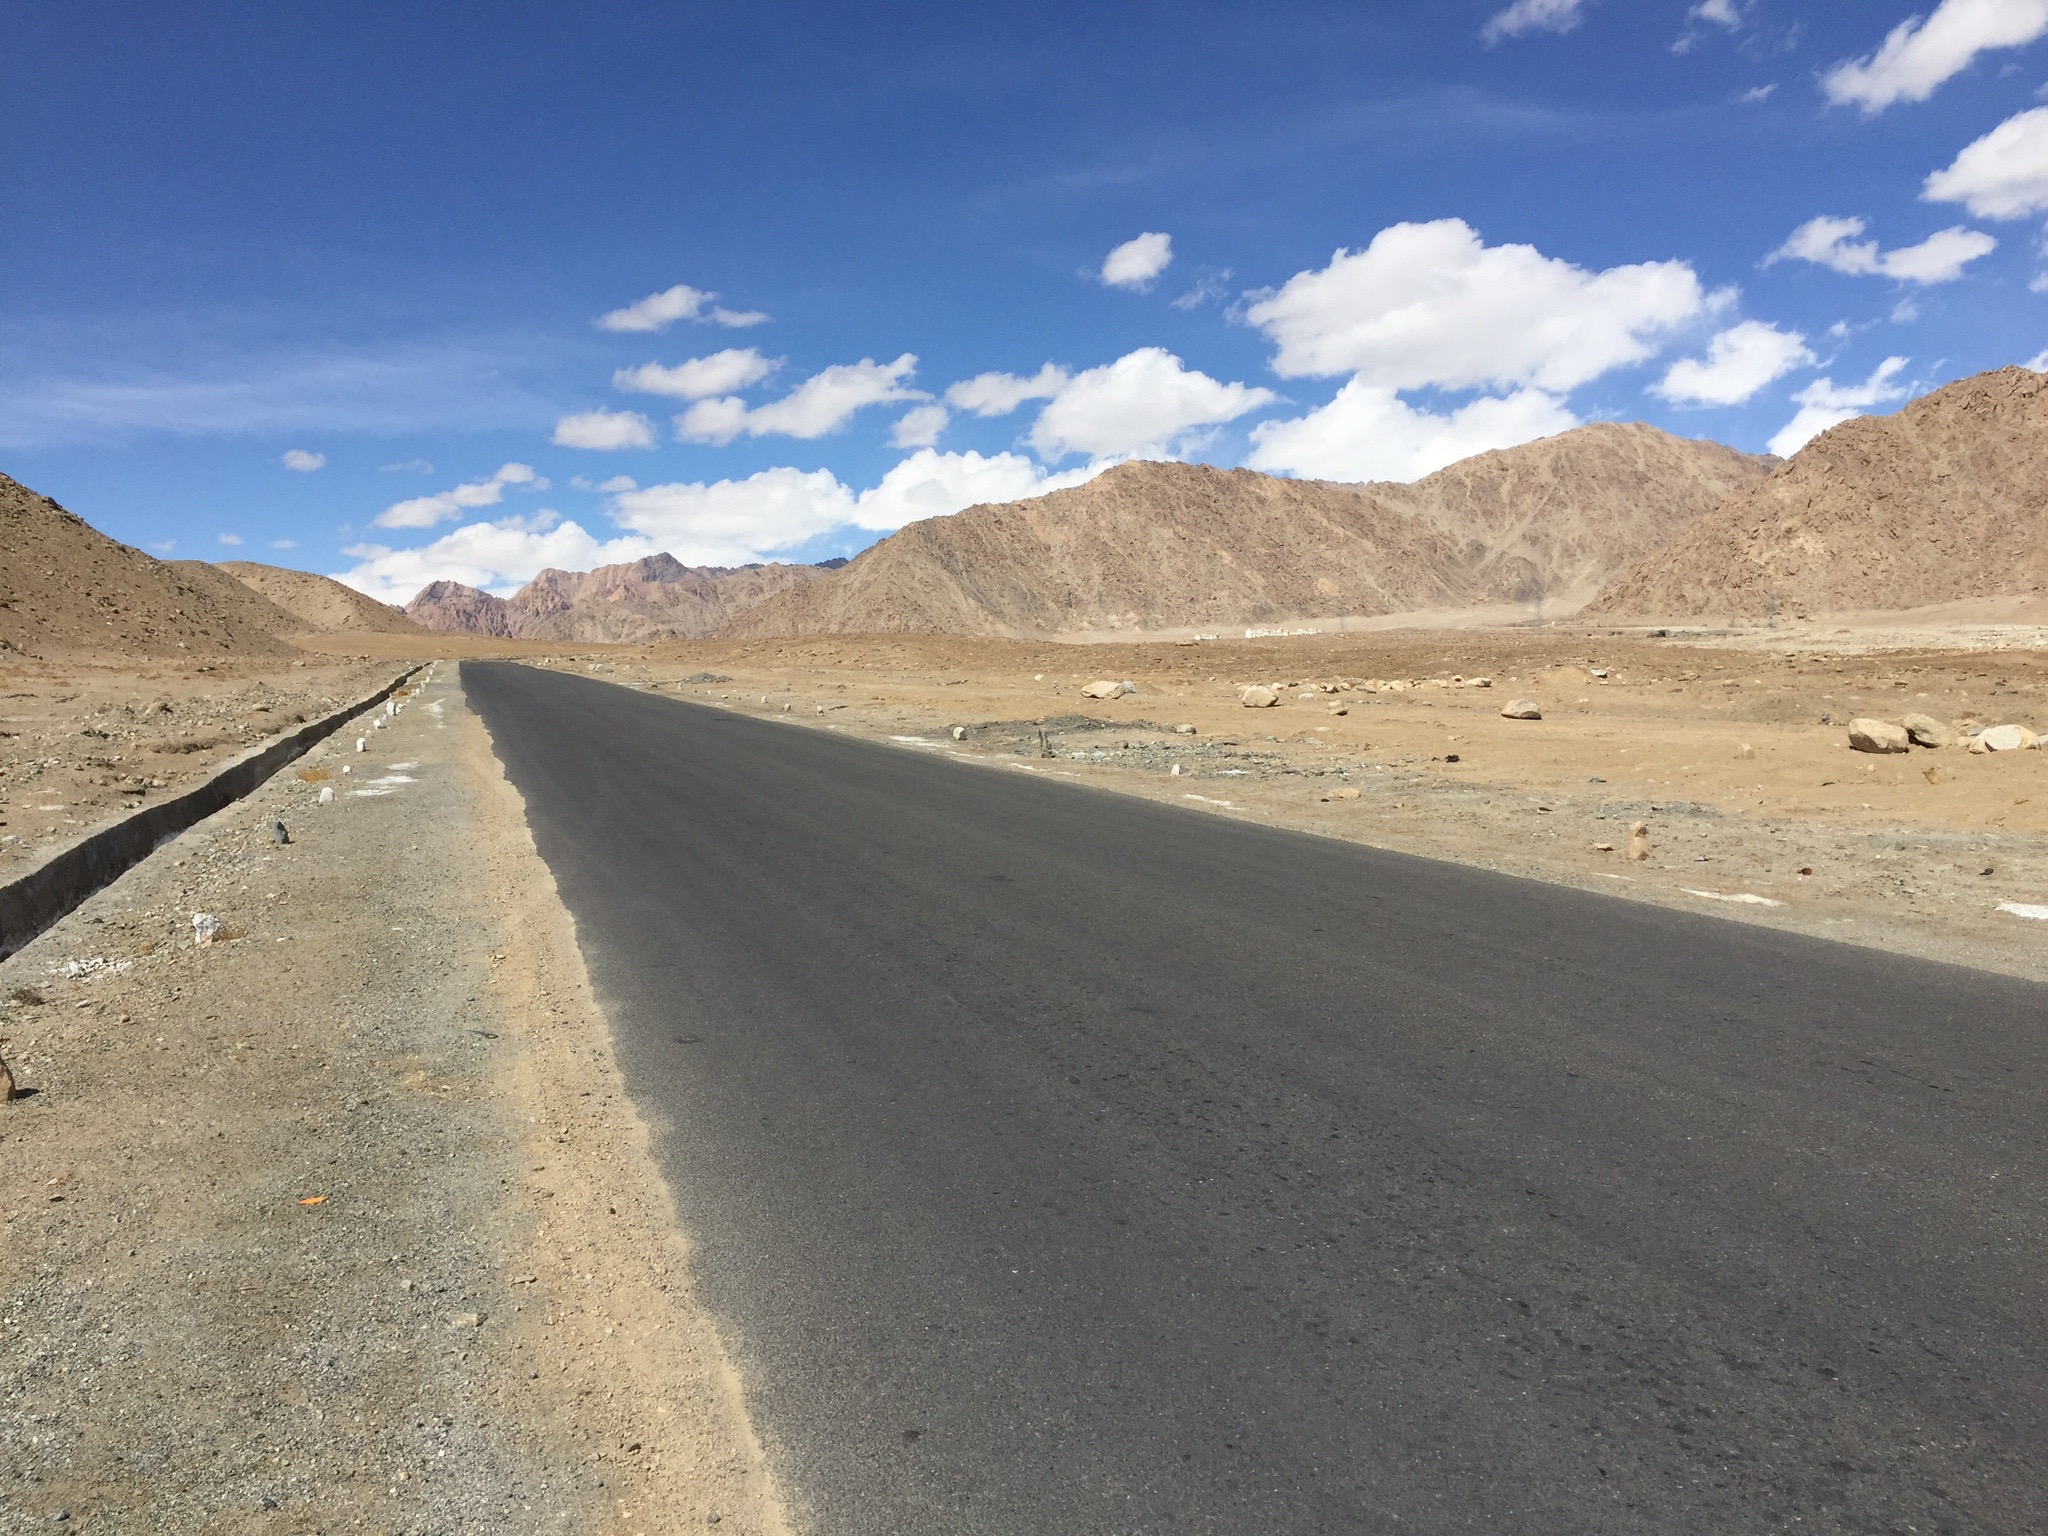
point(1061, 1162)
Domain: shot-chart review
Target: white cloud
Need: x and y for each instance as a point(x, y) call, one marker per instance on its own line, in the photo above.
point(2038, 362)
point(719, 374)
point(823, 403)
point(1757, 93)
point(1730, 15)
point(284, 543)
point(1832, 242)
point(2003, 175)
point(1143, 403)
point(230, 538)
point(499, 557)
point(604, 430)
point(730, 522)
point(1136, 262)
point(919, 427)
point(407, 467)
point(426, 511)
point(934, 484)
point(618, 483)
point(1432, 304)
point(1208, 288)
point(302, 461)
point(659, 311)
point(1739, 362)
point(1369, 433)
point(998, 394)
point(1824, 404)
point(1922, 52)
point(1526, 16)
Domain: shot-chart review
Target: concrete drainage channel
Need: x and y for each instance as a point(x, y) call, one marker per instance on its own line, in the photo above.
point(56, 886)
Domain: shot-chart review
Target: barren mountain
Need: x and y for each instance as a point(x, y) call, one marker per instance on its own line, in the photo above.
point(65, 588)
point(651, 599)
point(320, 602)
point(1946, 500)
point(1166, 546)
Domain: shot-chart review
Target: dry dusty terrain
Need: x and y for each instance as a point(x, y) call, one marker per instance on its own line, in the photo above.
point(343, 1222)
point(1730, 746)
point(83, 743)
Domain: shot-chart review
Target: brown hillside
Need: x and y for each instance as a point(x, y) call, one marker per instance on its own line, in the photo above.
point(1167, 546)
point(65, 588)
point(320, 602)
point(1946, 500)
point(232, 597)
point(657, 598)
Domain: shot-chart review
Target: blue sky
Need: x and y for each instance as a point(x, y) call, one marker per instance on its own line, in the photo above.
point(802, 273)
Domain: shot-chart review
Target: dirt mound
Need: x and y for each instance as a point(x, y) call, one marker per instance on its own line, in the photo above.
point(320, 602)
point(1152, 546)
point(68, 589)
point(658, 598)
point(1943, 502)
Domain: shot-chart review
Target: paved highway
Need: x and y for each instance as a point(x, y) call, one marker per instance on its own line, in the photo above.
point(1061, 1162)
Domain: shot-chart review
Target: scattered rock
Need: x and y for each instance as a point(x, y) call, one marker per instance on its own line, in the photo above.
point(1106, 689)
point(1878, 736)
point(280, 834)
point(1521, 709)
point(1639, 841)
point(6, 1083)
point(327, 794)
point(1339, 709)
point(205, 927)
point(1929, 732)
point(1183, 730)
point(465, 1320)
point(707, 677)
point(1346, 793)
point(1744, 752)
point(1256, 697)
point(2007, 738)
point(1603, 847)
point(1597, 671)
point(959, 733)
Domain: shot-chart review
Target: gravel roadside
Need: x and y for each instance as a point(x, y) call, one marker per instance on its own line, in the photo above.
point(343, 1222)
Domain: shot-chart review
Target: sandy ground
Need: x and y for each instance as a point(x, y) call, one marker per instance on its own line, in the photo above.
point(344, 1222)
point(1730, 745)
point(83, 744)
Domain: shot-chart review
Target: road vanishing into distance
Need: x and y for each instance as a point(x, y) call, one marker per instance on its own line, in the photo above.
point(1060, 1162)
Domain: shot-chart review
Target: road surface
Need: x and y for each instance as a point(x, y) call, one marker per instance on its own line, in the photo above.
point(1059, 1162)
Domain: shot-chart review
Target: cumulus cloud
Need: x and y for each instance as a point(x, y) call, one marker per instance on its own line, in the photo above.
point(618, 483)
point(1729, 15)
point(1824, 404)
point(822, 404)
point(1433, 305)
point(230, 538)
point(302, 461)
point(1833, 242)
point(659, 311)
point(2003, 175)
point(284, 543)
point(1739, 362)
point(1369, 433)
point(1526, 16)
point(719, 374)
point(499, 557)
point(1136, 262)
point(1145, 402)
point(1922, 52)
point(998, 394)
point(729, 522)
point(604, 430)
point(426, 511)
point(919, 427)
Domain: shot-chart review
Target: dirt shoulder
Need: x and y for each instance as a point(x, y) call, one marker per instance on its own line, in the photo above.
point(344, 1222)
point(1730, 746)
